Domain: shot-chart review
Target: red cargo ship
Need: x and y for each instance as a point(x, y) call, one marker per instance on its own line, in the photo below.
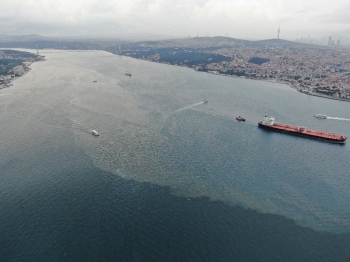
point(269, 123)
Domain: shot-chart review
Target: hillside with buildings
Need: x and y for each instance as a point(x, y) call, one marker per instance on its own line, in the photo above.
point(312, 69)
point(14, 64)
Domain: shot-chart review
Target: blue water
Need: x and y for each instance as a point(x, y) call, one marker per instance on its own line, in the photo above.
point(169, 178)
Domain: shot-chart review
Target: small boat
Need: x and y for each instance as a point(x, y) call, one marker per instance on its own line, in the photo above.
point(320, 116)
point(205, 100)
point(94, 132)
point(239, 118)
point(128, 73)
point(94, 81)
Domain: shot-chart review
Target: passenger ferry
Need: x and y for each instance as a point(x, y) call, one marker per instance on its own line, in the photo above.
point(320, 116)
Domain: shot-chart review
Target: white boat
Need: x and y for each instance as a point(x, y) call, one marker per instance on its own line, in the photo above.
point(320, 116)
point(205, 100)
point(128, 73)
point(94, 132)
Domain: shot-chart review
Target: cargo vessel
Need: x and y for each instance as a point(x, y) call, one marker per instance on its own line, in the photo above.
point(269, 123)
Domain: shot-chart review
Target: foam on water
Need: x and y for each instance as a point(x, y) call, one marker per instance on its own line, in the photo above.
point(338, 118)
point(187, 107)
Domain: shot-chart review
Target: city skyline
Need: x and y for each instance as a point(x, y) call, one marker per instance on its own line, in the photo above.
point(238, 19)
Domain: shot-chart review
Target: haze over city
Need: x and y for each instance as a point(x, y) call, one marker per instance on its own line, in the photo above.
point(239, 19)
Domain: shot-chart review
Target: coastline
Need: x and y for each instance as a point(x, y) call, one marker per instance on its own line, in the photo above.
point(323, 96)
point(271, 81)
point(283, 82)
point(8, 79)
point(8, 82)
point(306, 92)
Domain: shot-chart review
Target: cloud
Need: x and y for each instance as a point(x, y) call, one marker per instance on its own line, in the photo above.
point(338, 16)
point(239, 18)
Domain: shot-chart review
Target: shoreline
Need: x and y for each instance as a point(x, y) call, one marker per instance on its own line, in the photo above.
point(282, 82)
point(323, 96)
point(12, 77)
point(307, 92)
point(8, 83)
point(235, 76)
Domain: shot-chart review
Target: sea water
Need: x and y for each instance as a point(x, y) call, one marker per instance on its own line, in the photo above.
point(170, 178)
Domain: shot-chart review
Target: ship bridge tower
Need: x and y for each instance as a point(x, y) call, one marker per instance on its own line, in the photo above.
point(269, 121)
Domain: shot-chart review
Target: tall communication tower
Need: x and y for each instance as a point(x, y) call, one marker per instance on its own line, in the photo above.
point(37, 50)
point(278, 32)
point(120, 50)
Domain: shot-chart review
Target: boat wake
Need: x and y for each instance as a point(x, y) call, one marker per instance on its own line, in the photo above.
point(338, 118)
point(188, 107)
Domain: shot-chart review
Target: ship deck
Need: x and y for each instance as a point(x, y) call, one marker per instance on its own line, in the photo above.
point(305, 132)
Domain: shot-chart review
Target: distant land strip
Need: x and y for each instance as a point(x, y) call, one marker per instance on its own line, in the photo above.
point(317, 70)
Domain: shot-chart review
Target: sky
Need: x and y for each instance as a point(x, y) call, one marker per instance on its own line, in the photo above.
point(244, 19)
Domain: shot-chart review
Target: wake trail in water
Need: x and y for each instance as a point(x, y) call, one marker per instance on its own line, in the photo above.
point(338, 118)
point(55, 122)
point(188, 107)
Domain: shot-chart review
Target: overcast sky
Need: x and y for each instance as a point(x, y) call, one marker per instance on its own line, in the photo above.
point(247, 19)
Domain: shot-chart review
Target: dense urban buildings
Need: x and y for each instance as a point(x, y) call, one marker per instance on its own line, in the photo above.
point(14, 64)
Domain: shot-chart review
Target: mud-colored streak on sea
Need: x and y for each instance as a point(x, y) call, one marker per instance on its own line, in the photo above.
point(108, 218)
point(170, 178)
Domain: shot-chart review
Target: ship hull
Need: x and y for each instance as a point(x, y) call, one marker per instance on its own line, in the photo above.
point(300, 134)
